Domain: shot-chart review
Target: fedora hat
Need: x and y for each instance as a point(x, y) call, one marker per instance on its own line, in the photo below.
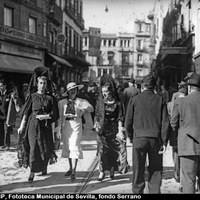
point(188, 76)
point(182, 84)
point(194, 80)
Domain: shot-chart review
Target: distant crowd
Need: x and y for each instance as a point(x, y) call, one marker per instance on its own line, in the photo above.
point(151, 117)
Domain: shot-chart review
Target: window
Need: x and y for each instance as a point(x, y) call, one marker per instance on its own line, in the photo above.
point(45, 29)
point(121, 43)
point(86, 41)
point(114, 43)
point(148, 28)
point(128, 43)
point(104, 42)
point(139, 72)
point(104, 71)
point(8, 16)
point(125, 58)
point(109, 43)
point(140, 27)
point(99, 72)
point(51, 37)
point(140, 44)
point(110, 71)
point(124, 43)
point(32, 25)
point(139, 57)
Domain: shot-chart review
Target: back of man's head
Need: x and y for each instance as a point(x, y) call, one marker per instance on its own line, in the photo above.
point(149, 82)
point(131, 83)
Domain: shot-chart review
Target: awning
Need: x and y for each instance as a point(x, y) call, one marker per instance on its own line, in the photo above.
point(60, 60)
point(18, 64)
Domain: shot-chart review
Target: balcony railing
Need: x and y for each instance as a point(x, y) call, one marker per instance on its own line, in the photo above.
point(55, 14)
point(77, 17)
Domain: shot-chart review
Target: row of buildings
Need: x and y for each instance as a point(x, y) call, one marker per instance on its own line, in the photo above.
point(123, 55)
point(41, 32)
point(166, 44)
point(51, 33)
point(176, 40)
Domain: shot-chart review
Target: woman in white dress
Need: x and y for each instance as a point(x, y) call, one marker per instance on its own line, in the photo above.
point(71, 110)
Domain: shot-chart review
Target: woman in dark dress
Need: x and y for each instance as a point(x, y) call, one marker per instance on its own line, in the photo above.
point(109, 125)
point(36, 139)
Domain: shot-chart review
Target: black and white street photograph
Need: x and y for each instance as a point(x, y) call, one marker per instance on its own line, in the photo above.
point(99, 99)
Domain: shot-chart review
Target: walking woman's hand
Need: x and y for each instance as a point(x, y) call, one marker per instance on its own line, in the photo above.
point(162, 149)
point(19, 130)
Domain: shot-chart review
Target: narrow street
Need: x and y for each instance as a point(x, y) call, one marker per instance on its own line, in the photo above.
point(14, 179)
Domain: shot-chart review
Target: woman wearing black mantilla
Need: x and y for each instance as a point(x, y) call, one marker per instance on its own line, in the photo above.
point(35, 145)
point(109, 121)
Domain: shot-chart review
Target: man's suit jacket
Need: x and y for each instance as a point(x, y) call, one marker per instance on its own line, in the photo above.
point(186, 115)
point(128, 93)
point(147, 116)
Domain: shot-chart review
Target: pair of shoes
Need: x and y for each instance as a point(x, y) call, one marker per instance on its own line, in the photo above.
point(73, 176)
point(68, 173)
point(31, 177)
point(101, 176)
point(44, 173)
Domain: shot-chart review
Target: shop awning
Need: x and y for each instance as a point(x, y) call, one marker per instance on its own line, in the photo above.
point(18, 64)
point(60, 60)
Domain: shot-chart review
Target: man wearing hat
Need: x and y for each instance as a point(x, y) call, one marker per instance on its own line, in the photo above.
point(182, 92)
point(185, 118)
point(147, 125)
point(129, 92)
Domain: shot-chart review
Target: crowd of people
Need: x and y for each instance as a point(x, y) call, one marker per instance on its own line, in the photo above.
point(150, 119)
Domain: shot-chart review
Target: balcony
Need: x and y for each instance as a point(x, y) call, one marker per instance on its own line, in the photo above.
point(72, 13)
point(142, 49)
point(140, 62)
point(55, 14)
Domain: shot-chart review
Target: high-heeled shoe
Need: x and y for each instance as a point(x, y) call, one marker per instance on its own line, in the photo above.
point(73, 176)
point(68, 173)
point(44, 173)
point(101, 176)
point(31, 177)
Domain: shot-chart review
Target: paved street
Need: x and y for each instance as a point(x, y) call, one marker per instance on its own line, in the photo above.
point(14, 179)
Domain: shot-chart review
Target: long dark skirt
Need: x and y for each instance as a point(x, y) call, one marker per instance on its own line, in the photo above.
point(35, 146)
point(112, 153)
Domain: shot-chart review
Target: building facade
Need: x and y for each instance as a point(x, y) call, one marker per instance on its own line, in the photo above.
point(115, 57)
point(176, 54)
point(41, 32)
point(22, 38)
point(142, 50)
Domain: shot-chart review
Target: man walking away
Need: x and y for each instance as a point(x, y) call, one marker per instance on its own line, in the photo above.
point(129, 92)
point(147, 125)
point(186, 114)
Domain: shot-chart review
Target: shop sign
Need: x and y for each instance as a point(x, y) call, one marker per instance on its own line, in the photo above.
point(174, 50)
point(61, 38)
point(18, 34)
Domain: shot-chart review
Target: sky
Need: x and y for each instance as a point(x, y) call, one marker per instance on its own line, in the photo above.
point(119, 16)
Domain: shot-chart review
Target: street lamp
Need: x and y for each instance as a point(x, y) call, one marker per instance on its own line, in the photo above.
point(106, 10)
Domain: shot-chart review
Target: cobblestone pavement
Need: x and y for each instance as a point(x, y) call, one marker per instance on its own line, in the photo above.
point(14, 179)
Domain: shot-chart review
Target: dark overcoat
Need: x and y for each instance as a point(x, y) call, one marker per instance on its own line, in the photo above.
point(186, 115)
